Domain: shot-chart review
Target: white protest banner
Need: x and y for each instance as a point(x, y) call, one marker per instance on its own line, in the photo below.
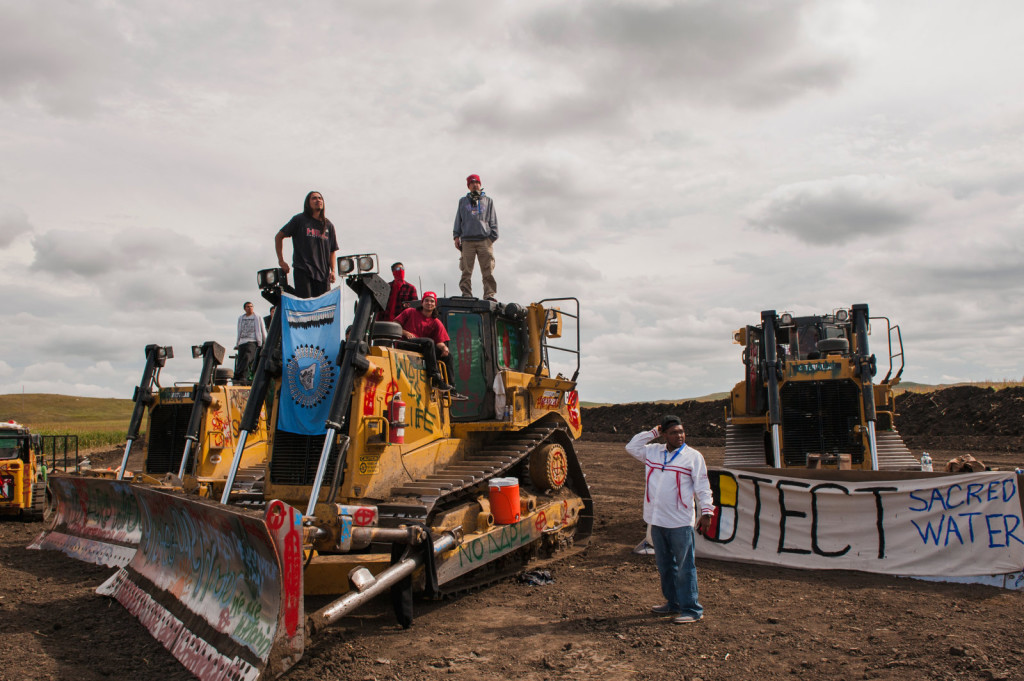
point(941, 525)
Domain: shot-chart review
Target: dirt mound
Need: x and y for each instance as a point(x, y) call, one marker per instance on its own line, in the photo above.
point(963, 417)
point(704, 421)
point(959, 418)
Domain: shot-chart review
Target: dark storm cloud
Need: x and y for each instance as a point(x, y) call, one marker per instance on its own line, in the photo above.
point(616, 55)
point(840, 210)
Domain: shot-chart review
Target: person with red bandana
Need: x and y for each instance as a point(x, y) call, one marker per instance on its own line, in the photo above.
point(402, 292)
point(422, 327)
point(475, 231)
point(675, 474)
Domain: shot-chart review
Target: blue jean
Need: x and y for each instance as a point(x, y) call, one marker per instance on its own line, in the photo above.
point(673, 548)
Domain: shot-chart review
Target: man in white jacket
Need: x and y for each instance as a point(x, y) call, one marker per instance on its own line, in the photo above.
point(674, 474)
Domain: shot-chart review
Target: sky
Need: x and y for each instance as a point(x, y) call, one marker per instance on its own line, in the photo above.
point(676, 166)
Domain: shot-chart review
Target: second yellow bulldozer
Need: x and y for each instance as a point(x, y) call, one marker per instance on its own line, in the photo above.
point(809, 398)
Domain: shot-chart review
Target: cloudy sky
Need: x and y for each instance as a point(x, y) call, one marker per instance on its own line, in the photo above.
point(677, 166)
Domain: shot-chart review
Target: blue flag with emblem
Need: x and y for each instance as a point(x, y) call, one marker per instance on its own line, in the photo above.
point(311, 339)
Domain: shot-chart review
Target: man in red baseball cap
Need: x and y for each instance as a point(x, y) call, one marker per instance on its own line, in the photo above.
point(422, 326)
point(476, 230)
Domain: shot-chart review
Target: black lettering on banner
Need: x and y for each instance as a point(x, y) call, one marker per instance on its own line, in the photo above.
point(783, 514)
point(814, 520)
point(879, 514)
point(757, 507)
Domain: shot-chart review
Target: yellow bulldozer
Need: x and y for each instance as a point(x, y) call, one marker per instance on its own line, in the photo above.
point(403, 488)
point(808, 397)
point(22, 473)
point(192, 428)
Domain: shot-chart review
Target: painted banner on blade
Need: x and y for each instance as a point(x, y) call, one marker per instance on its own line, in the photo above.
point(96, 520)
point(958, 525)
point(206, 582)
point(311, 338)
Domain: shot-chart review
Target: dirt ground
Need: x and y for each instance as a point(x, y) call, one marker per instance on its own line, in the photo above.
point(591, 623)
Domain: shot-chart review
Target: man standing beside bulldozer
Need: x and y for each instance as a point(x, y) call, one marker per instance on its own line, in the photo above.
point(314, 247)
point(674, 474)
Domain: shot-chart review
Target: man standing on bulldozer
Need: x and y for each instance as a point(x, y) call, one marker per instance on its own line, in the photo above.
point(476, 230)
point(251, 336)
point(314, 247)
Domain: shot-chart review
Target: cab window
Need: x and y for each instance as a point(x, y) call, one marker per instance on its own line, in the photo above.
point(10, 447)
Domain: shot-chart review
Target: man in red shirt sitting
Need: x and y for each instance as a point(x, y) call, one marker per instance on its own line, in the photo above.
point(422, 327)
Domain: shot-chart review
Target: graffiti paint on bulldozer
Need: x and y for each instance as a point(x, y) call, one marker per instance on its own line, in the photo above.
point(201, 573)
point(96, 520)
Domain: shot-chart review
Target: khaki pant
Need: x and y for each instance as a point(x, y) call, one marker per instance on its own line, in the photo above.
point(482, 250)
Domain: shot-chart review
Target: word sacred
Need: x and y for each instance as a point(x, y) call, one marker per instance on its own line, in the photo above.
point(943, 525)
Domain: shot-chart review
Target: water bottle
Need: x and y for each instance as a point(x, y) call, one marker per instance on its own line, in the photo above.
point(508, 412)
point(926, 462)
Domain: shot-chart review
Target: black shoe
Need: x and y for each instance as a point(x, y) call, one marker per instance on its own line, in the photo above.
point(457, 397)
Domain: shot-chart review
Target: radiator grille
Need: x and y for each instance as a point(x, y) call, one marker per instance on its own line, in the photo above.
point(295, 458)
point(167, 426)
point(820, 417)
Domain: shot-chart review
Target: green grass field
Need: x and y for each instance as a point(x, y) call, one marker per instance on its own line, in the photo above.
point(98, 422)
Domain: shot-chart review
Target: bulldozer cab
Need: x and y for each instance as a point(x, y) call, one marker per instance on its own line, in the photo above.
point(801, 338)
point(14, 446)
point(489, 338)
point(757, 401)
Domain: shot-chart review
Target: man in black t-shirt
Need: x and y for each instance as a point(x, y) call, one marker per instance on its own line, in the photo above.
point(314, 248)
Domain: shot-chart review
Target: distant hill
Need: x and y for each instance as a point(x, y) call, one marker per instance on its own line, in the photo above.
point(39, 408)
point(95, 421)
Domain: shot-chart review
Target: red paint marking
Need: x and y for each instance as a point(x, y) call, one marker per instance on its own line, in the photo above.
point(224, 623)
point(369, 395)
point(291, 563)
point(506, 347)
point(364, 516)
point(713, 528)
point(559, 471)
point(542, 521)
point(390, 392)
point(464, 351)
point(572, 402)
point(275, 516)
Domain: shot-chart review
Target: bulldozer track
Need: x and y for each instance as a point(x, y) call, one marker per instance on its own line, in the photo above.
point(417, 500)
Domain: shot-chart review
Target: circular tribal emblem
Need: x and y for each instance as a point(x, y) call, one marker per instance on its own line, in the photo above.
point(310, 376)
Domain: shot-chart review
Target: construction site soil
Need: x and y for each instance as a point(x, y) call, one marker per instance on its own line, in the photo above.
point(593, 621)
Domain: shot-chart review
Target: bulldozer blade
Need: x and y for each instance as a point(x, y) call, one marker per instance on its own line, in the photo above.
point(219, 588)
point(95, 520)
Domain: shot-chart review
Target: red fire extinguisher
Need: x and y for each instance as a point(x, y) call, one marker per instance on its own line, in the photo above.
point(396, 416)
